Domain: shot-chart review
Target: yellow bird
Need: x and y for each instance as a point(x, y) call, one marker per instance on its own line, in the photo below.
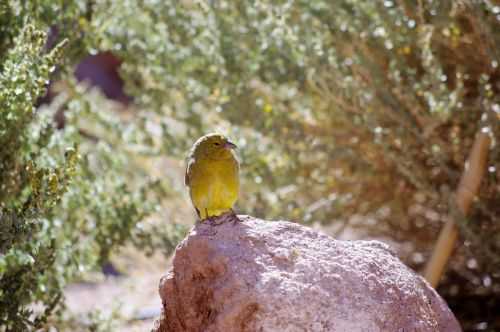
point(212, 175)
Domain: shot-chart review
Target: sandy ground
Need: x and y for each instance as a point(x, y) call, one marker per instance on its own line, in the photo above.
point(127, 298)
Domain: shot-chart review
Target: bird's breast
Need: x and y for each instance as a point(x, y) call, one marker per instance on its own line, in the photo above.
point(215, 182)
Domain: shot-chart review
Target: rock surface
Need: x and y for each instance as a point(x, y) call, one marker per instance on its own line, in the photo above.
point(256, 275)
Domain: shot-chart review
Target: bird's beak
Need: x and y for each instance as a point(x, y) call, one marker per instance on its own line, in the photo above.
point(230, 145)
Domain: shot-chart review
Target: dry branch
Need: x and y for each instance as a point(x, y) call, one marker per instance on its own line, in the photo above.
point(467, 190)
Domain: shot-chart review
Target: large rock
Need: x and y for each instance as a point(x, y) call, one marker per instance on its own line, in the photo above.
point(256, 275)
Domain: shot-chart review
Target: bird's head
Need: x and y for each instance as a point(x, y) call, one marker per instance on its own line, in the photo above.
point(213, 146)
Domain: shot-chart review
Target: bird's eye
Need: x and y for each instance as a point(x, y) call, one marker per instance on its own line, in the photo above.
point(217, 143)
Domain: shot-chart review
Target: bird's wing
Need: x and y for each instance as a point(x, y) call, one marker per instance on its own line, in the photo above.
point(190, 163)
point(187, 176)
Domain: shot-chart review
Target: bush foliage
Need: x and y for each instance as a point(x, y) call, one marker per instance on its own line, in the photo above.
point(69, 196)
point(355, 112)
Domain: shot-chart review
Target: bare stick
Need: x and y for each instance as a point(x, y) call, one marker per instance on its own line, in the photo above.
point(467, 190)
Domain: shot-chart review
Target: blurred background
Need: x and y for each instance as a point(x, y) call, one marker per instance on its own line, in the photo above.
point(354, 117)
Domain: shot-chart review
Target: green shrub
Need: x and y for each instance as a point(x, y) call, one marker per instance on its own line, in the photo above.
point(29, 190)
point(69, 197)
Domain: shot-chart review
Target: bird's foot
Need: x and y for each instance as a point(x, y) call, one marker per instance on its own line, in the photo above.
point(228, 216)
point(234, 218)
point(214, 220)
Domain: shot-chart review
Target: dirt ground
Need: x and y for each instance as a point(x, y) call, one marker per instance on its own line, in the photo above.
point(130, 300)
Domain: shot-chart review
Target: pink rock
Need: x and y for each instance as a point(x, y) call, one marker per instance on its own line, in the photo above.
point(258, 275)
